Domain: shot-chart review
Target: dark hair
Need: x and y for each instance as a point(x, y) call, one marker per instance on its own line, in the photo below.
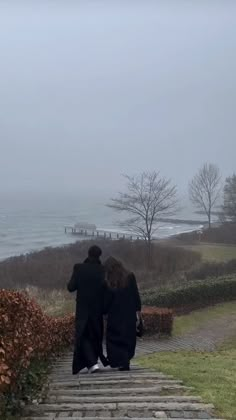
point(116, 275)
point(94, 252)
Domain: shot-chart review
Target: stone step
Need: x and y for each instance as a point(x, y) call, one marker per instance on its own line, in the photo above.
point(105, 374)
point(111, 394)
point(128, 383)
point(119, 391)
point(110, 374)
point(100, 376)
point(162, 416)
point(114, 373)
point(68, 366)
point(120, 398)
point(124, 407)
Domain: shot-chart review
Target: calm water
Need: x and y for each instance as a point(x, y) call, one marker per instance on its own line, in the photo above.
point(32, 223)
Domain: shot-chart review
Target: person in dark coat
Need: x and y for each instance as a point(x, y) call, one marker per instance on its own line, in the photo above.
point(123, 308)
point(88, 279)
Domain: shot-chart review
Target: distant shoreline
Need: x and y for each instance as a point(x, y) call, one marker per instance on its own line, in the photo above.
point(184, 221)
point(165, 239)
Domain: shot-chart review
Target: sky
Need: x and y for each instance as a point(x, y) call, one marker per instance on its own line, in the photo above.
point(90, 90)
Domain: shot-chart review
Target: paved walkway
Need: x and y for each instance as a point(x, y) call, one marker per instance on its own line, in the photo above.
point(110, 394)
point(208, 338)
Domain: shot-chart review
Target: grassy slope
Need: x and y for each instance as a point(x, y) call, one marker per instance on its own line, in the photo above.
point(215, 252)
point(188, 323)
point(213, 375)
point(53, 302)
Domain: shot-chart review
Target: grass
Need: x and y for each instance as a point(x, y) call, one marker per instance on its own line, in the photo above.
point(196, 319)
point(229, 344)
point(55, 303)
point(213, 375)
point(215, 252)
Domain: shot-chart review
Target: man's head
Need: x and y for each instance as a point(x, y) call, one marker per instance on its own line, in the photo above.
point(94, 252)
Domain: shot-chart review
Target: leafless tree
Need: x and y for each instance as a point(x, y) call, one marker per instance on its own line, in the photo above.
point(205, 189)
point(229, 206)
point(148, 197)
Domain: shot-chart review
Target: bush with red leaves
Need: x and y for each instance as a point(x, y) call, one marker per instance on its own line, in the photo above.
point(157, 320)
point(26, 333)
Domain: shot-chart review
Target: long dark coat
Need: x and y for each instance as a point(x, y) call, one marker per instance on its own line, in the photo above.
point(121, 307)
point(88, 280)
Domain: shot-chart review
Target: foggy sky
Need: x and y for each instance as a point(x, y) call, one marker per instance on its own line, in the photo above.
point(92, 89)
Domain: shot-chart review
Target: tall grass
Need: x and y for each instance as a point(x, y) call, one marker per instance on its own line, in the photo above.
point(53, 302)
point(51, 268)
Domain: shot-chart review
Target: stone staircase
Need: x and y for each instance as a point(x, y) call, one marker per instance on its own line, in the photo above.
point(111, 394)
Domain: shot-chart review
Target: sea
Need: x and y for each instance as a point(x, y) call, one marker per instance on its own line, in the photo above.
point(32, 222)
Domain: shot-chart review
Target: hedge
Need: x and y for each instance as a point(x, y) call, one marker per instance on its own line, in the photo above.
point(157, 320)
point(196, 294)
point(26, 334)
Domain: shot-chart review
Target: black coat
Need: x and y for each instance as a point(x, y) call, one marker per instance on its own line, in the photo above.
point(88, 280)
point(121, 307)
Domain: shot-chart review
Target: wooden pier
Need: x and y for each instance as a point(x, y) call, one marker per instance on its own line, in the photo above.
point(88, 232)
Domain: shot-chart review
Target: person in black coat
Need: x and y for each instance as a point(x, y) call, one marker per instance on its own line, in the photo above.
point(123, 308)
point(88, 279)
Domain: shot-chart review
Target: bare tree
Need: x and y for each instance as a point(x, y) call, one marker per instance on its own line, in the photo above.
point(205, 189)
point(148, 197)
point(229, 206)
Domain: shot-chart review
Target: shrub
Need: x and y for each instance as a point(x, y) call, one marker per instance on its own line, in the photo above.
point(212, 269)
point(26, 333)
point(157, 320)
point(194, 295)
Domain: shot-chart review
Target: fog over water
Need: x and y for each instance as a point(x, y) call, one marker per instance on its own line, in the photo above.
point(91, 89)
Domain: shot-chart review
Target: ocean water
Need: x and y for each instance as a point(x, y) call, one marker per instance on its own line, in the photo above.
point(31, 223)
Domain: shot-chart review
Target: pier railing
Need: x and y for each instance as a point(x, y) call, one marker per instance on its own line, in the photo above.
point(100, 233)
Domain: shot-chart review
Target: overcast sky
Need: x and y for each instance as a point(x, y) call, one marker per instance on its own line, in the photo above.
point(92, 89)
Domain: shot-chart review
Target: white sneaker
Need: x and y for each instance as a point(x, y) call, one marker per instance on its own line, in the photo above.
point(94, 368)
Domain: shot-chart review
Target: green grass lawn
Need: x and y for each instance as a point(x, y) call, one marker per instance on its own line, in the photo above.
point(196, 319)
point(213, 375)
point(215, 252)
